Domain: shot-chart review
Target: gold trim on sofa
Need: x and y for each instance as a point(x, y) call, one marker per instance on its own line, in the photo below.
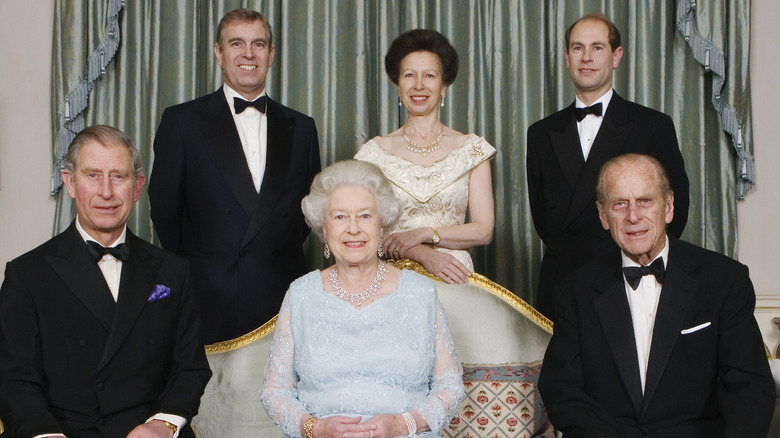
point(489, 285)
point(475, 279)
point(242, 341)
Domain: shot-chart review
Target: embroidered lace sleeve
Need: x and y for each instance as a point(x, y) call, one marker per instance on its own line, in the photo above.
point(447, 390)
point(279, 392)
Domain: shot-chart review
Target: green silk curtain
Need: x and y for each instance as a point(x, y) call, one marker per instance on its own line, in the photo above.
point(330, 64)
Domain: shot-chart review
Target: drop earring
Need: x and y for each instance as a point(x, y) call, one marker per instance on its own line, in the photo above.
point(442, 101)
point(326, 251)
point(399, 101)
point(381, 251)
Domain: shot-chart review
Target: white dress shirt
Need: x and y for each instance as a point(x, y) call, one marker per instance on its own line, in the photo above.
point(588, 127)
point(252, 127)
point(111, 267)
point(643, 303)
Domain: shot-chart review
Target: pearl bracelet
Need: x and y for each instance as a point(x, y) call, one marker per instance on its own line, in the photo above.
point(411, 425)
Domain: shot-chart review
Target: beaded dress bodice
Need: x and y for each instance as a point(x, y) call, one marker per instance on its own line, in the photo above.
point(435, 195)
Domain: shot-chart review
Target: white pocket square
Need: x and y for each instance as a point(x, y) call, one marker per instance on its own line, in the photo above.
point(695, 329)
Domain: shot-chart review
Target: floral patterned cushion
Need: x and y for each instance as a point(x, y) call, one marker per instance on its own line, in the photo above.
point(502, 401)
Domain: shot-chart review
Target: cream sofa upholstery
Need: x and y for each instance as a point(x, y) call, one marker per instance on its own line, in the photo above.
point(489, 324)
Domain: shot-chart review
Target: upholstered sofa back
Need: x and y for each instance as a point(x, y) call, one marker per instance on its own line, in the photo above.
point(490, 326)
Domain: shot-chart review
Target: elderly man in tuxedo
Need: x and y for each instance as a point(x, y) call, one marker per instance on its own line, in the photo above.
point(566, 150)
point(656, 339)
point(99, 335)
point(230, 171)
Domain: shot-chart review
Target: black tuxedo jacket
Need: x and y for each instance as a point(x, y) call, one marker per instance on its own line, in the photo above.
point(73, 361)
point(708, 375)
point(245, 248)
point(562, 185)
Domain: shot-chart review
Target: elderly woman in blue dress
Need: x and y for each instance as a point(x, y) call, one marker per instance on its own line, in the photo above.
point(361, 349)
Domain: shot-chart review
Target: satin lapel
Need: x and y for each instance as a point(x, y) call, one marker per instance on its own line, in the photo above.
point(676, 297)
point(83, 276)
point(566, 146)
point(609, 141)
point(221, 135)
point(278, 155)
point(136, 284)
point(615, 317)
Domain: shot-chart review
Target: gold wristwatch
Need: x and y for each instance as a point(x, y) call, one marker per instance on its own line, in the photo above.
point(436, 238)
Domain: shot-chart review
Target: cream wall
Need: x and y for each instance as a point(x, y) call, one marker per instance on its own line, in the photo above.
point(27, 210)
point(759, 213)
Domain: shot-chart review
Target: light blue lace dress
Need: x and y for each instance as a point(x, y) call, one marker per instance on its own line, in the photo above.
point(393, 355)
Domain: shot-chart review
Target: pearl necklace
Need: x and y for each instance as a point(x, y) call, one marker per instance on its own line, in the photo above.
point(364, 297)
point(422, 150)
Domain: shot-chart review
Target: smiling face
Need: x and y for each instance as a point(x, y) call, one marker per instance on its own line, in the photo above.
point(352, 227)
point(635, 210)
point(420, 84)
point(591, 60)
point(104, 189)
point(245, 57)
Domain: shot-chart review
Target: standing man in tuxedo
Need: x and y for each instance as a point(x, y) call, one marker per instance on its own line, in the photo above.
point(667, 346)
point(566, 150)
point(99, 334)
point(230, 170)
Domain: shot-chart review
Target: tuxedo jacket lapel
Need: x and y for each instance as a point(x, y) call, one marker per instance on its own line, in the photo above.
point(83, 277)
point(278, 156)
point(221, 135)
point(566, 145)
point(135, 285)
point(608, 143)
point(676, 298)
point(615, 317)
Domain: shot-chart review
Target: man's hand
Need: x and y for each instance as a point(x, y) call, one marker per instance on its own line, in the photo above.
point(152, 429)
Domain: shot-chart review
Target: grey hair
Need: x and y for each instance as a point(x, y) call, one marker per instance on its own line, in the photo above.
point(354, 173)
point(661, 177)
point(106, 136)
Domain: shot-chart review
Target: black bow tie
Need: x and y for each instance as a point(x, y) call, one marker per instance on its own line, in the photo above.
point(240, 104)
point(97, 251)
point(580, 113)
point(634, 274)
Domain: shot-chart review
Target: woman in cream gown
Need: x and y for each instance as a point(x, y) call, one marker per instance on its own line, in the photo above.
point(439, 174)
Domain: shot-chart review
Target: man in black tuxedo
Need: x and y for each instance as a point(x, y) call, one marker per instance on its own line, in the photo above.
point(99, 334)
point(566, 150)
point(667, 346)
point(230, 170)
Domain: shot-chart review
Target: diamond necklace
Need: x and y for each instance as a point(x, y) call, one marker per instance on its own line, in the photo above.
point(367, 295)
point(422, 150)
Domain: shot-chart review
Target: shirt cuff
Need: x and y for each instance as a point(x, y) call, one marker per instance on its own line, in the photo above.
point(173, 419)
point(49, 434)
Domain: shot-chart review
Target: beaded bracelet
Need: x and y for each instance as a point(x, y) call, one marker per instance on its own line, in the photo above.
point(411, 425)
point(308, 427)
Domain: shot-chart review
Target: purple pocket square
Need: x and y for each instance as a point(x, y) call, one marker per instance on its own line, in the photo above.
point(159, 292)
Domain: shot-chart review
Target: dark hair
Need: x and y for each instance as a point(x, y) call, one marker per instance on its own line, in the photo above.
point(243, 16)
point(614, 33)
point(422, 40)
point(106, 136)
point(622, 160)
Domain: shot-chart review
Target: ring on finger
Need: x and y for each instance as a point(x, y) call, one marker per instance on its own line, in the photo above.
point(370, 434)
